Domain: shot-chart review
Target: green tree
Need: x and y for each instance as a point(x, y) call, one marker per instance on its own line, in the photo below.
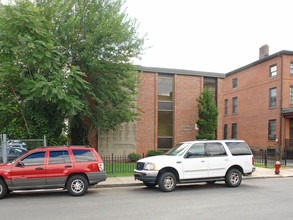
point(68, 57)
point(36, 78)
point(208, 116)
point(99, 38)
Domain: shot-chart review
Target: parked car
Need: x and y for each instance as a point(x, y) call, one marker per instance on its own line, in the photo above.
point(197, 161)
point(13, 153)
point(69, 167)
point(17, 143)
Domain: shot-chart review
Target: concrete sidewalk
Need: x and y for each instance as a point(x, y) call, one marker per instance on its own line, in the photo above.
point(258, 174)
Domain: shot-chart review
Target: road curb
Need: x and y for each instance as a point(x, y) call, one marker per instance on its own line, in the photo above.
point(119, 185)
point(141, 184)
point(266, 177)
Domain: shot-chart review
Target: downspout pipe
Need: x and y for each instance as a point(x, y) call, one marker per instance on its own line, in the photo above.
point(281, 103)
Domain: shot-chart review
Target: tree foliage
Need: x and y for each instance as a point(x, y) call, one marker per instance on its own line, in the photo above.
point(61, 58)
point(208, 116)
point(101, 40)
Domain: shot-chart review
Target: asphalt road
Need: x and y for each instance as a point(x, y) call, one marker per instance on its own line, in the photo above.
point(254, 199)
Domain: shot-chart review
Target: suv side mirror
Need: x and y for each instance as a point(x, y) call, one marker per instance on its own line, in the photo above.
point(189, 154)
point(20, 164)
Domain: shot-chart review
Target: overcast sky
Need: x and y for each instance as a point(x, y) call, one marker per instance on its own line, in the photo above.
point(211, 35)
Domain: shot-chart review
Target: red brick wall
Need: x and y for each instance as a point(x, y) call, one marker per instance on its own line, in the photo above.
point(253, 103)
point(187, 89)
point(147, 102)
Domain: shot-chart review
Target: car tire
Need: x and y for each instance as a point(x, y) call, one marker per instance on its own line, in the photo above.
point(233, 178)
point(3, 189)
point(167, 182)
point(77, 185)
point(150, 185)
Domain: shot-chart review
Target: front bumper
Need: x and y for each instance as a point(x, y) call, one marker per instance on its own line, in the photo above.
point(146, 176)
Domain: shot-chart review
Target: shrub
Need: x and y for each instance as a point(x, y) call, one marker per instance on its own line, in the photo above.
point(133, 157)
point(155, 152)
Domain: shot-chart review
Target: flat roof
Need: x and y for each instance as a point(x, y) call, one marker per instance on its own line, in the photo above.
point(180, 72)
point(282, 52)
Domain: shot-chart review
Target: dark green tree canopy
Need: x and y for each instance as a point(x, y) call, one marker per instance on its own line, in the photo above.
point(208, 116)
point(66, 57)
point(101, 40)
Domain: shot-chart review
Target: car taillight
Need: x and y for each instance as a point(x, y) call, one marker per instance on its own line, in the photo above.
point(101, 166)
point(252, 160)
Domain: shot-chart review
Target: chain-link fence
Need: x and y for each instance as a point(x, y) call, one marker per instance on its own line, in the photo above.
point(11, 149)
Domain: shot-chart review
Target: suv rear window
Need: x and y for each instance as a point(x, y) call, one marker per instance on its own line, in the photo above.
point(215, 149)
point(83, 155)
point(238, 148)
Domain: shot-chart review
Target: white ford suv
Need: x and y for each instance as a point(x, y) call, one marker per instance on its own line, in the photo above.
point(197, 161)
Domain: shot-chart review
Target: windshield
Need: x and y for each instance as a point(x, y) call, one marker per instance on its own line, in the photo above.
point(178, 150)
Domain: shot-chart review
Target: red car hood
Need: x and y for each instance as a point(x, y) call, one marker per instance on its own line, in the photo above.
point(4, 165)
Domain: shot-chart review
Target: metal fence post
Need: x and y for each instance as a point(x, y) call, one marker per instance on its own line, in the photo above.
point(112, 164)
point(4, 149)
point(285, 156)
point(45, 141)
point(266, 158)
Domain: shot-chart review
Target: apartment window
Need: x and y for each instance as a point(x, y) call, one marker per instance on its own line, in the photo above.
point(211, 85)
point(234, 131)
point(273, 97)
point(234, 101)
point(234, 83)
point(272, 129)
point(226, 106)
point(165, 112)
point(291, 95)
point(273, 71)
point(225, 131)
point(291, 68)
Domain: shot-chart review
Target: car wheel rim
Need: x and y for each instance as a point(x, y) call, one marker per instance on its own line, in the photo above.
point(1, 189)
point(234, 178)
point(77, 186)
point(169, 182)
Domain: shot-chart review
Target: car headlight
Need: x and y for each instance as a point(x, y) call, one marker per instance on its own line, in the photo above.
point(149, 166)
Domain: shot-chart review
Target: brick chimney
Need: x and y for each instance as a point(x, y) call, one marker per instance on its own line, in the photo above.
point(263, 51)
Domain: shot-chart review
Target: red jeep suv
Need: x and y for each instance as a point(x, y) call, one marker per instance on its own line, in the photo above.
point(70, 167)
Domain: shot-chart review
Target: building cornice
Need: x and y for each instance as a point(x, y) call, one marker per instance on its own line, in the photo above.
point(180, 72)
point(282, 52)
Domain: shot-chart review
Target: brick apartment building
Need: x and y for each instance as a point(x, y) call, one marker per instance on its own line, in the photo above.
point(167, 98)
point(254, 104)
point(258, 101)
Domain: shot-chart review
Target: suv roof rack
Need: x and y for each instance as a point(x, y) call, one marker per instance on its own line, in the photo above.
point(85, 146)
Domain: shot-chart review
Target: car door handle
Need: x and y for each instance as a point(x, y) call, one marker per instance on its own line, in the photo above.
point(39, 168)
point(68, 166)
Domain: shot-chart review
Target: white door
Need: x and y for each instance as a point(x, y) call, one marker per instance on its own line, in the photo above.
point(218, 159)
point(195, 162)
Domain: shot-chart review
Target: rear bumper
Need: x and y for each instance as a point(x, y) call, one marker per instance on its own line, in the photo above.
point(146, 176)
point(96, 177)
point(253, 169)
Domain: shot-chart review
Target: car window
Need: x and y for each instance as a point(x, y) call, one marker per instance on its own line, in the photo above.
point(34, 159)
point(60, 156)
point(83, 155)
point(16, 151)
point(197, 150)
point(238, 148)
point(215, 149)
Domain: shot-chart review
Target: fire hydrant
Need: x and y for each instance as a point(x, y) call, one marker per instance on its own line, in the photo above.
point(277, 167)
